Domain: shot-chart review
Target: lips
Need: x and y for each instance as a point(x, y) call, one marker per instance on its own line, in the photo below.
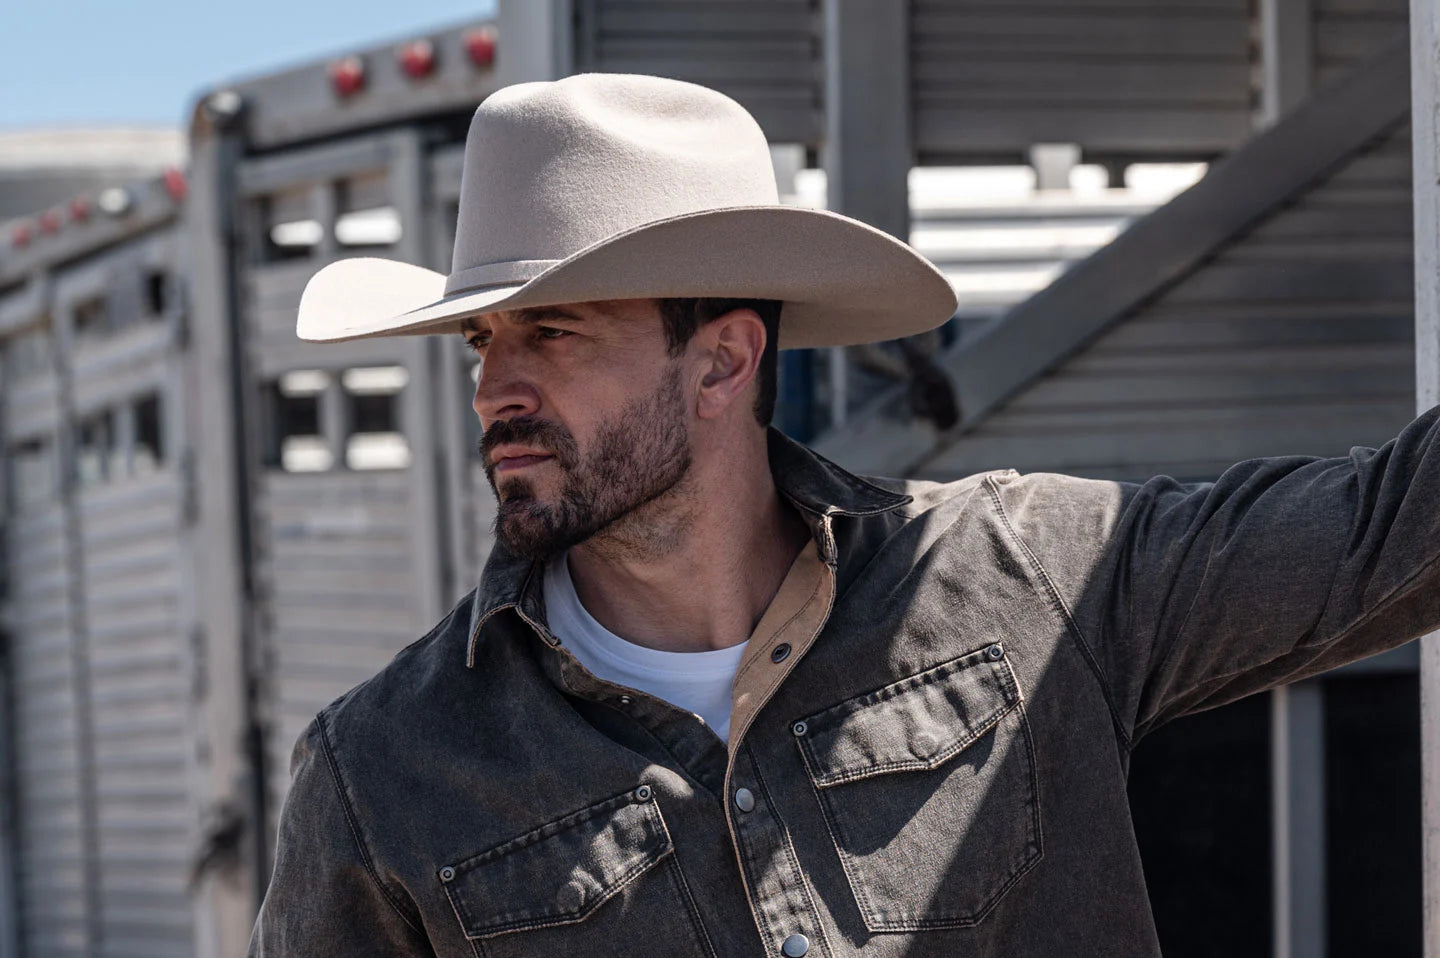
point(519, 462)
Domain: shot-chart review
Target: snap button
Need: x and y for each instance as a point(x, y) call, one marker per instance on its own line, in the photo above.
point(795, 946)
point(994, 652)
point(744, 799)
point(447, 873)
point(625, 700)
point(799, 728)
point(642, 794)
point(780, 653)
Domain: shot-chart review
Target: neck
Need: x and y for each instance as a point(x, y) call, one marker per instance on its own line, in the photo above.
point(680, 574)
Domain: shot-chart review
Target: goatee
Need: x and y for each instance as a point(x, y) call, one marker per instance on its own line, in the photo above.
point(635, 459)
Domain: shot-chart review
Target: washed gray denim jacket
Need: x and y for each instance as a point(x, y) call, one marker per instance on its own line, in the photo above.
point(935, 763)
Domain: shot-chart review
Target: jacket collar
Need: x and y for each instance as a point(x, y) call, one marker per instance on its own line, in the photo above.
point(819, 488)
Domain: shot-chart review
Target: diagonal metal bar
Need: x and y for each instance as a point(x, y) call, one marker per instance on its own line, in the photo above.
point(1044, 330)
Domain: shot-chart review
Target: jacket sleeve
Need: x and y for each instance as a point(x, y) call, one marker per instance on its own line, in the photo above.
point(324, 898)
point(1186, 596)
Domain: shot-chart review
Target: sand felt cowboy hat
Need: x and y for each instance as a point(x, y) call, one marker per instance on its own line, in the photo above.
point(615, 186)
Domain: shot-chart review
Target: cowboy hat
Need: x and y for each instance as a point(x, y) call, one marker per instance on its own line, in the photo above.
point(615, 186)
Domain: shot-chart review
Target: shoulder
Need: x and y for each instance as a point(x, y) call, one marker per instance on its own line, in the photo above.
point(1046, 511)
point(1008, 489)
point(399, 694)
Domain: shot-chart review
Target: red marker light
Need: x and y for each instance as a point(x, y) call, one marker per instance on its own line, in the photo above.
point(50, 222)
point(80, 209)
point(347, 76)
point(480, 45)
point(20, 235)
point(175, 184)
point(417, 59)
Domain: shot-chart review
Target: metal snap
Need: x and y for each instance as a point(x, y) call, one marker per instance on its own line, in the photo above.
point(744, 799)
point(642, 794)
point(447, 873)
point(799, 728)
point(625, 700)
point(994, 652)
point(780, 653)
point(795, 946)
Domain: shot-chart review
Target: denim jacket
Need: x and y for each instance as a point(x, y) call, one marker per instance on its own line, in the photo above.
point(932, 732)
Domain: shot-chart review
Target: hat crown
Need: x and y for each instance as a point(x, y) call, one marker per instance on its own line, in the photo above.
point(553, 167)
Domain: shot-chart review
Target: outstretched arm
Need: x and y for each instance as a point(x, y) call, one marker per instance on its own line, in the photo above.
point(1191, 595)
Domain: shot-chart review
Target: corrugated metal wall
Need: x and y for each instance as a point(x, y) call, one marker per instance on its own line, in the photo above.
point(48, 773)
point(1129, 78)
point(1348, 31)
point(128, 532)
point(764, 53)
point(1297, 338)
point(94, 554)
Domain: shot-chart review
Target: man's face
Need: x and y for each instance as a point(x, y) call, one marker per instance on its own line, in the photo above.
point(589, 385)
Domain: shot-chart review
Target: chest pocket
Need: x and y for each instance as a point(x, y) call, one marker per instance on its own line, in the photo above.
point(601, 881)
point(928, 788)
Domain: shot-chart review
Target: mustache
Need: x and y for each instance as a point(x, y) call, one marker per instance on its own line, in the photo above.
point(541, 435)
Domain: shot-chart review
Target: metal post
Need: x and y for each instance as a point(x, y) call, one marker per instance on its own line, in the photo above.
point(537, 40)
point(1424, 101)
point(1297, 799)
point(419, 418)
point(1287, 57)
point(868, 149)
point(227, 900)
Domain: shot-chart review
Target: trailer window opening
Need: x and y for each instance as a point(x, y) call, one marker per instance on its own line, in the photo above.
point(375, 440)
point(157, 292)
point(96, 453)
point(149, 451)
point(296, 443)
point(91, 317)
point(379, 226)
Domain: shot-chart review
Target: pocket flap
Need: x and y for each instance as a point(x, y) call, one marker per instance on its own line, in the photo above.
point(916, 723)
point(561, 872)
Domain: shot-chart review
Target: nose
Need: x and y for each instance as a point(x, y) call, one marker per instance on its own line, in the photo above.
point(500, 391)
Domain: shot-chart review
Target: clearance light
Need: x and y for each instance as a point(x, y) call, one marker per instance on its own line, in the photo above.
point(480, 45)
point(417, 59)
point(116, 201)
point(175, 184)
point(20, 235)
point(50, 222)
point(347, 76)
point(80, 209)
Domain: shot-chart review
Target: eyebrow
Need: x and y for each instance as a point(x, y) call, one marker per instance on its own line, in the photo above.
point(528, 317)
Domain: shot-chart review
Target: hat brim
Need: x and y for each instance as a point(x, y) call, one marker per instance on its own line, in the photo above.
point(842, 282)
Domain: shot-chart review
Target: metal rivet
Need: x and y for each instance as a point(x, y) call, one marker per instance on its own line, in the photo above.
point(642, 794)
point(795, 946)
point(447, 873)
point(780, 653)
point(625, 700)
point(994, 652)
point(744, 799)
point(799, 728)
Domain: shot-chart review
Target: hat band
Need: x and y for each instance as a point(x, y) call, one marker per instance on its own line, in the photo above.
point(496, 274)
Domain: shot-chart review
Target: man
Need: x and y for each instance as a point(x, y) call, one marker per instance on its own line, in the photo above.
point(716, 696)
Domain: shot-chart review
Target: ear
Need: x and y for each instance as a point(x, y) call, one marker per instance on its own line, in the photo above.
point(730, 347)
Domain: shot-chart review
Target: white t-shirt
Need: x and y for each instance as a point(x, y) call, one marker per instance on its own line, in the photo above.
point(698, 682)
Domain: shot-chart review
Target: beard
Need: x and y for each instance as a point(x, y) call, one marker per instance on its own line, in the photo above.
point(641, 455)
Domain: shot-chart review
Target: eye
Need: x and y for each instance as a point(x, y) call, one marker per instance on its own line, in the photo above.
point(552, 329)
point(474, 344)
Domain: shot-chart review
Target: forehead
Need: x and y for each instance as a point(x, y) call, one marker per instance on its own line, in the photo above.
point(594, 311)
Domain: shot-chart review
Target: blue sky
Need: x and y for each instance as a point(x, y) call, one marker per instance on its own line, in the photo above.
point(139, 62)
